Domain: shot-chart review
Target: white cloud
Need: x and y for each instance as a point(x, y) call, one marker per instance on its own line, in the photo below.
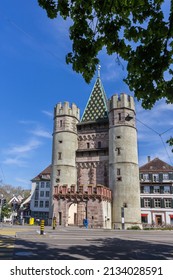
point(27, 122)
point(21, 180)
point(41, 133)
point(25, 148)
point(48, 113)
point(15, 161)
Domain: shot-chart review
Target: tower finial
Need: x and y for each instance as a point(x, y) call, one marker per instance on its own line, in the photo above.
point(99, 67)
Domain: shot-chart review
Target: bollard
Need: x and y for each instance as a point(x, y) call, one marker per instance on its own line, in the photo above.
point(42, 227)
point(54, 222)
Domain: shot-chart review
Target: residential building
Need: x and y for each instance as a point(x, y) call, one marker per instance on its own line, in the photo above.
point(156, 187)
point(40, 195)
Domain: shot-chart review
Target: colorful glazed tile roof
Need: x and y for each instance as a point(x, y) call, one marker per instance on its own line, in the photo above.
point(96, 107)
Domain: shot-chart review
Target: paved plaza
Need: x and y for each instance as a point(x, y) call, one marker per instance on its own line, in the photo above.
point(72, 243)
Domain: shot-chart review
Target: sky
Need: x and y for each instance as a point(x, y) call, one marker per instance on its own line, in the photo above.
point(34, 77)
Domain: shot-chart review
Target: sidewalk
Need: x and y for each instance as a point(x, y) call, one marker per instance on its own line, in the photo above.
point(12, 230)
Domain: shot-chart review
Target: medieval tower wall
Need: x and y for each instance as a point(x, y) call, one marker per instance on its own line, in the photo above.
point(123, 162)
point(65, 144)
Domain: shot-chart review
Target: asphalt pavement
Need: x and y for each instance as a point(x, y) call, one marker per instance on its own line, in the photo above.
point(73, 243)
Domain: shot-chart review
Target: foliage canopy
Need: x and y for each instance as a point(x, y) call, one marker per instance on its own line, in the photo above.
point(137, 31)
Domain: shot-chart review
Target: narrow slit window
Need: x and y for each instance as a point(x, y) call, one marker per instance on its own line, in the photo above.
point(59, 155)
point(118, 171)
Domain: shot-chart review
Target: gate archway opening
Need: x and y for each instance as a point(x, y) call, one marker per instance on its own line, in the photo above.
point(72, 215)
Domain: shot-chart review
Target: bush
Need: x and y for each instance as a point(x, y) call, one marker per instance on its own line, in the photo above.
point(134, 228)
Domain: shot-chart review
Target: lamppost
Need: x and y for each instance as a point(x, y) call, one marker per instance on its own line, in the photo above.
point(122, 215)
point(1, 204)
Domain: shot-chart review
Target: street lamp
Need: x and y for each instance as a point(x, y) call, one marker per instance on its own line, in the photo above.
point(1, 204)
point(122, 215)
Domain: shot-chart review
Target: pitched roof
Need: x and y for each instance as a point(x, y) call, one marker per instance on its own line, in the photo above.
point(156, 164)
point(96, 107)
point(45, 174)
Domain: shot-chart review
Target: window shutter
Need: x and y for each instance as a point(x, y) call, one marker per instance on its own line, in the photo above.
point(162, 203)
point(142, 189)
point(150, 177)
point(171, 191)
point(152, 203)
point(160, 177)
point(161, 189)
point(171, 176)
point(142, 202)
point(151, 189)
point(141, 176)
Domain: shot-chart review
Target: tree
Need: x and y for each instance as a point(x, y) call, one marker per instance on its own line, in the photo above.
point(138, 31)
point(5, 211)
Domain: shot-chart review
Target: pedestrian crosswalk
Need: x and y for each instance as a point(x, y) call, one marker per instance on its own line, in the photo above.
point(6, 247)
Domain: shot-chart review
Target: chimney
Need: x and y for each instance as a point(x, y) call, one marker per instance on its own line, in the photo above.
point(149, 159)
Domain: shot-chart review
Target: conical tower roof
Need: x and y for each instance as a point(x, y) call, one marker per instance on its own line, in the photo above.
point(96, 108)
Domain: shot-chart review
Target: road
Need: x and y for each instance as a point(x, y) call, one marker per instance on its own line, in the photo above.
point(74, 243)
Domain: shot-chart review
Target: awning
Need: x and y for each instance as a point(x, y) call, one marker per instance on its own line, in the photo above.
point(144, 215)
point(171, 216)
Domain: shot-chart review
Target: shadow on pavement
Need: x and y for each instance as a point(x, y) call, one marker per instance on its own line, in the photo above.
point(100, 249)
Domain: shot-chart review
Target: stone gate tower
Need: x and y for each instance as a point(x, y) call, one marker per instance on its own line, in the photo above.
point(123, 162)
point(64, 146)
point(95, 174)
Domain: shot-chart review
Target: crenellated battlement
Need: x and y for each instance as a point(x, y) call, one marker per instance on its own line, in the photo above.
point(121, 101)
point(65, 109)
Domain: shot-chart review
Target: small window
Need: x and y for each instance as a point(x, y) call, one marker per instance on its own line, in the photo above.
point(60, 141)
point(156, 189)
point(47, 184)
point(118, 137)
point(58, 172)
point(119, 116)
point(41, 204)
point(157, 203)
point(144, 219)
point(146, 189)
point(147, 203)
point(59, 155)
point(42, 184)
point(88, 145)
point(118, 171)
point(47, 204)
point(118, 151)
point(166, 189)
point(119, 178)
point(60, 123)
point(36, 203)
point(47, 193)
point(168, 203)
point(41, 193)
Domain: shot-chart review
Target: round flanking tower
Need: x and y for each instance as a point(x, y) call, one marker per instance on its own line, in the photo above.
point(65, 144)
point(123, 162)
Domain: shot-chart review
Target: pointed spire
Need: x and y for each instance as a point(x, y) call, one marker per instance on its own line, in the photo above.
point(96, 107)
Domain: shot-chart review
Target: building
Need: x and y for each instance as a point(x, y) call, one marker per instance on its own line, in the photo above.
point(95, 174)
point(156, 183)
point(40, 195)
point(156, 194)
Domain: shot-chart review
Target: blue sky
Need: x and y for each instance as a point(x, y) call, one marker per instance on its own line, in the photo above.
point(34, 77)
